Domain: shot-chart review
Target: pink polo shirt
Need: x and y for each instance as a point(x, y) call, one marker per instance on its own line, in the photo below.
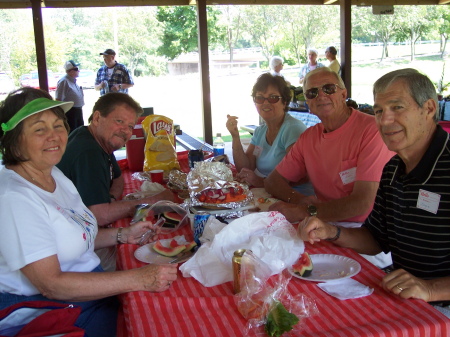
point(334, 161)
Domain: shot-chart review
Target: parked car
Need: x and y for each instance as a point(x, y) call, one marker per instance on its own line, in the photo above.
point(34, 80)
point(6, 84)
point(86, 79)
point(24, 80)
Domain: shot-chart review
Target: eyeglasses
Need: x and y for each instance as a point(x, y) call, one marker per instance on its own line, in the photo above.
point(328, 89)
point(271, 99)
point(74, 69)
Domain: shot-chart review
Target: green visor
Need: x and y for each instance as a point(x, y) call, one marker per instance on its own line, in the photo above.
point(33, 107)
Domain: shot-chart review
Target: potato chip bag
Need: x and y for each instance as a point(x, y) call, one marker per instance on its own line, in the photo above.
point(160, 148)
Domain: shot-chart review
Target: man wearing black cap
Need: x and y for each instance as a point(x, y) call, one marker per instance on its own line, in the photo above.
point(67, 90)
point(113, 76)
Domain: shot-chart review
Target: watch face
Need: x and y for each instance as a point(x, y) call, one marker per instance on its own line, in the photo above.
point(312, 210)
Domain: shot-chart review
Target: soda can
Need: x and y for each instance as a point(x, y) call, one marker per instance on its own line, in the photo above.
point(195, 155)
point(200, 220)
point(236, 261)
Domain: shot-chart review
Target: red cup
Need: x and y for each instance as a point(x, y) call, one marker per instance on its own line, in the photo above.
point(157, 176)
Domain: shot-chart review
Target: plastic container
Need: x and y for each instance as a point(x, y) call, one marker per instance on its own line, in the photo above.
point(218, 146)
point(135, 148)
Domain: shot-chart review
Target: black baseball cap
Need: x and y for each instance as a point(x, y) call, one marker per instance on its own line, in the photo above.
point(108, 52)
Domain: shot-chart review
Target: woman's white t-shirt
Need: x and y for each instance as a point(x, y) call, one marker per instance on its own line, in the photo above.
point(36, 224)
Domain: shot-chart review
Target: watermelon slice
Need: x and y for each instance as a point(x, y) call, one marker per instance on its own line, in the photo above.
point(172, 219)
point(190, 245)
point(168, 251)
point(303, 266)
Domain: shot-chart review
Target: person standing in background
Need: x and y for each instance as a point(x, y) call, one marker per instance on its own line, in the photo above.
point(311, 65)
point(113, 76)
point(330, 54)
point(67, 90)
point(276, 66)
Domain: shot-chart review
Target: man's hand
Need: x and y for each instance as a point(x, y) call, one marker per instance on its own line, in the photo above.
point(293, 212)
point(405, 285)
point(312, 229)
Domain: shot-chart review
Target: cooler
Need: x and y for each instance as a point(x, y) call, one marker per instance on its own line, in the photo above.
point(135, 148)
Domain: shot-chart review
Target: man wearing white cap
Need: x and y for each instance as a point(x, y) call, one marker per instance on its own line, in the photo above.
point(67, 90)
point(113, 76)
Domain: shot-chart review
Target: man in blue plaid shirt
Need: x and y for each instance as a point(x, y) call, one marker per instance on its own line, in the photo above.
point(113, 76)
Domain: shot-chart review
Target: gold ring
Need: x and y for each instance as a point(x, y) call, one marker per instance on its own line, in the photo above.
point(399, 288)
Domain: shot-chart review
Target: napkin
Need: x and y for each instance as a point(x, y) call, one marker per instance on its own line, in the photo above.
point(345, 289)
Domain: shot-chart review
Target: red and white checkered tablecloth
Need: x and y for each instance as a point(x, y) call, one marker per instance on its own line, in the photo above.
point(190, 309)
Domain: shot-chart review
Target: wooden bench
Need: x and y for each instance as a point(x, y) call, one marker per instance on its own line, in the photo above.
point(249, 128)
point(192, 143)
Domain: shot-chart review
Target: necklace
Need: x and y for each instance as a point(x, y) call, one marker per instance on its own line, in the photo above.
point(50, 188)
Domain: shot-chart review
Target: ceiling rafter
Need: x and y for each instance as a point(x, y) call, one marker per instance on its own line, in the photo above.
point(131, 3)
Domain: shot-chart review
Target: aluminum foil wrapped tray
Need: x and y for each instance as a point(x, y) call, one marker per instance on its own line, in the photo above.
point(211, 185)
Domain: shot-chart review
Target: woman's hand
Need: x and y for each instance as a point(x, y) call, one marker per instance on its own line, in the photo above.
point(134, 233)
point(250, 177)
point(157, 278)
point(232, 125)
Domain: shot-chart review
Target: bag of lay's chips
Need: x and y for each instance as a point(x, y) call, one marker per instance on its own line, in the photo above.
point(160, 148)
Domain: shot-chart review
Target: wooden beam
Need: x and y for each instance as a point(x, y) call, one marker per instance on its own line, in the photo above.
point(346, 44)
point(109, 3)
point(202, 27)
point(40, 44)
point(10, 4)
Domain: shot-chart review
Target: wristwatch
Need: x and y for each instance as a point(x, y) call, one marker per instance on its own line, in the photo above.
point(312, 210)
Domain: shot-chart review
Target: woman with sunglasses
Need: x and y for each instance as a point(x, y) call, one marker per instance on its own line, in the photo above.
point(271, 140)
point(48, 234)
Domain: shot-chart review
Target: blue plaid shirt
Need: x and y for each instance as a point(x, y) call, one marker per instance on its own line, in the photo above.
point(120, 75)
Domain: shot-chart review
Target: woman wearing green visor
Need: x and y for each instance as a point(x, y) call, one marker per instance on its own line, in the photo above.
point(48, 234)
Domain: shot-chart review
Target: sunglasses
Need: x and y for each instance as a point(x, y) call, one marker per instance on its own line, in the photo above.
point(74, 69)
point(271, 99)
point(328, 89)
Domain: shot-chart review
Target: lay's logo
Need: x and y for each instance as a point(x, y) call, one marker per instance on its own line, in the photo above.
point(159, 125)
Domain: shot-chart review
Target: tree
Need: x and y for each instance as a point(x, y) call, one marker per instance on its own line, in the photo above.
point(304, 27)
point(383, 27)
point(180, 34)
point(413, 23)
point(231, 19)
point(443, 25)
point(264, 24)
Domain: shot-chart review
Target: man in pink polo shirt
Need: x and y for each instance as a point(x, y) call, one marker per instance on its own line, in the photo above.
point(343, 157)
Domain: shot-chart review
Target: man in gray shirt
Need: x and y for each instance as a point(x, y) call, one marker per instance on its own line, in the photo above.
point(68, 90)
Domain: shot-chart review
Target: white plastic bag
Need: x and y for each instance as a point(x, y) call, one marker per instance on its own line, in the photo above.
point(268, 235)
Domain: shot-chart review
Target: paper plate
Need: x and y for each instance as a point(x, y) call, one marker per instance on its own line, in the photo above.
point(330, 267)
point(148, 255)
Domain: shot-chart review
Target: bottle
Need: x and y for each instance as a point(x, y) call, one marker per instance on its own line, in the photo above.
point(219, 146)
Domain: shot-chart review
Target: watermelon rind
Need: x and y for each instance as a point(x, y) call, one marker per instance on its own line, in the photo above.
point(304, 266)
point(168, 251)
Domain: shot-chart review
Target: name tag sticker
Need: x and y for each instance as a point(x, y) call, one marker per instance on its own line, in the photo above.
point(428, 201)
point(257, 151)
point(348, 176)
